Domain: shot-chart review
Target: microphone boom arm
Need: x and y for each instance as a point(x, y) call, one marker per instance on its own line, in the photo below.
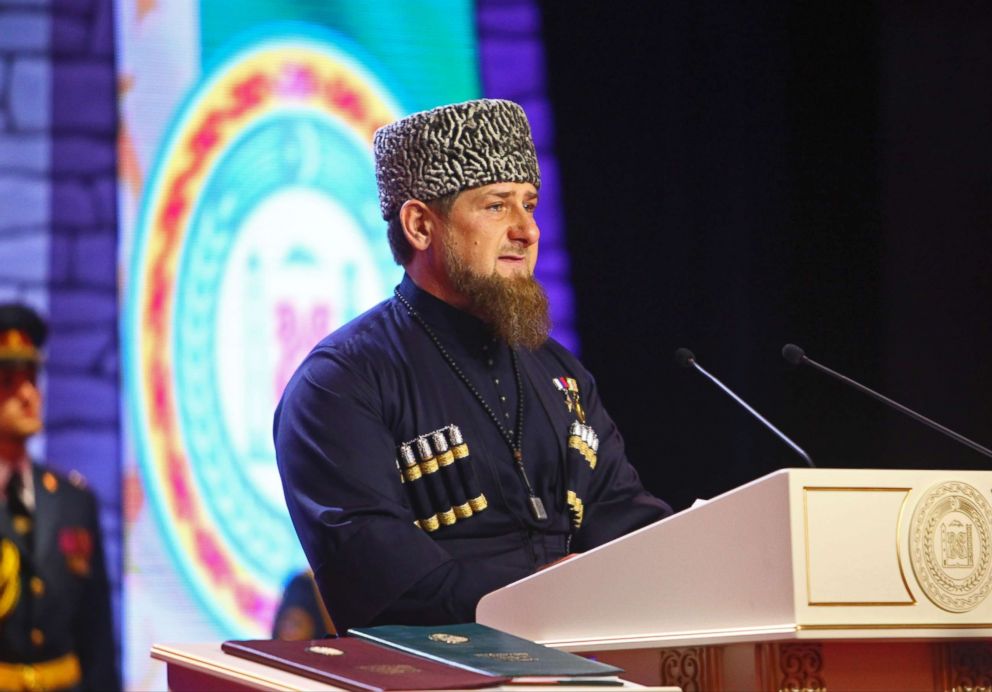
point(897, 406)
point(687, 360)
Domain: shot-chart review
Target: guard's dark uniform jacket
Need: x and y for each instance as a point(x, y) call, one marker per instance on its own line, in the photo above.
point(54, 597)
point(404, 492)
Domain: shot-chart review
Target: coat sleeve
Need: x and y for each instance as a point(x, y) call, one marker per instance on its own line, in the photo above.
point(337, 460)
point(616, 503)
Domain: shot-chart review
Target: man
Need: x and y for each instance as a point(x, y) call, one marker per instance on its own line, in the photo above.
point(440, 446)
point(55, 617)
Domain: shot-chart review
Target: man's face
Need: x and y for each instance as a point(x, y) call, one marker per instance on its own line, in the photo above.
point(20, 402)
point(491, 230)
point(488, 250)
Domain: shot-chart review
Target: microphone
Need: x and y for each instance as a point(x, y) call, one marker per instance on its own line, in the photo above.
point(796, 356)
point(686, 359)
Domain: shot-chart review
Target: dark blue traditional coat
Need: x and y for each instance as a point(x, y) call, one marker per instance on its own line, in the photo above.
point(381, 382)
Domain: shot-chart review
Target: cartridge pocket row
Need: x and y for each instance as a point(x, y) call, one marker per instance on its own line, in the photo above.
point(583, 439)
point(437, 472)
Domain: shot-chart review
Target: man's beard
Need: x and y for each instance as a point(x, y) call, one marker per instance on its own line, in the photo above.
point(516, 307)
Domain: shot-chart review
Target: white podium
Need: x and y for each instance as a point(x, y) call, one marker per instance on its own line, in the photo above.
point(803, 579)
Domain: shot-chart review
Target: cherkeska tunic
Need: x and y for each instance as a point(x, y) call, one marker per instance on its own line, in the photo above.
point(379, 382)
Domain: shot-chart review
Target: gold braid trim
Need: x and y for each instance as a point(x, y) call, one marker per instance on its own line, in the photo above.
point(10, 577)
point(56, 674)
point(429, 524)
point(575, 503)
point(579, 445)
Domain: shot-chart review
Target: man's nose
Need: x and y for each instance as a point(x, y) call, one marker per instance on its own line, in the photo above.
point(524, 227)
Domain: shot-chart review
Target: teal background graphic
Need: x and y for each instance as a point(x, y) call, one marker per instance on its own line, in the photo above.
point(256, 288)
point(425, 48)
point(264, 160)
point(413, 57)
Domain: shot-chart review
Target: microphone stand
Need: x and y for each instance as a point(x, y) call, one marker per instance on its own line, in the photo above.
point(795, 355)
point(686, 359)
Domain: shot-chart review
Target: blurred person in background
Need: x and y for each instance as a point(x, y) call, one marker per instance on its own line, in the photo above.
point(301, 613)
point(56, 630)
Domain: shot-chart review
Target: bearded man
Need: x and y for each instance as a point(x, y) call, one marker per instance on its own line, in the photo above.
point(441, 446)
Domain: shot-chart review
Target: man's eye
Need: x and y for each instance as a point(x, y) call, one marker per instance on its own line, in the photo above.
point(495, 206)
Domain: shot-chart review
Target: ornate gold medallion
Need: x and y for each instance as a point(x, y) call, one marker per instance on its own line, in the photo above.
point(446, 638)
point(950, 540)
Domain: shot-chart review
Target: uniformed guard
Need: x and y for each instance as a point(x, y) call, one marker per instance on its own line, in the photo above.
point(55, 615)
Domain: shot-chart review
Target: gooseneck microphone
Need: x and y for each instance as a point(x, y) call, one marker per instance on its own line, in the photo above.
point(796, 356)
point(686, 359)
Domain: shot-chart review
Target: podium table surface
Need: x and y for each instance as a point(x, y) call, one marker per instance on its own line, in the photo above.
point(198, 666)
point(799, 554)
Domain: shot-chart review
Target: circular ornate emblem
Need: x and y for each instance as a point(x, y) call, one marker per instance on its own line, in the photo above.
point(446, 638)
point(951, 546)
point(259, 233)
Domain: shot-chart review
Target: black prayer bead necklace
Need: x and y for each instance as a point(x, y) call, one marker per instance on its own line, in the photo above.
point(516, 446)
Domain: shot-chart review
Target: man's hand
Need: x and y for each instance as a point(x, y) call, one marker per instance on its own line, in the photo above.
point(557, 562)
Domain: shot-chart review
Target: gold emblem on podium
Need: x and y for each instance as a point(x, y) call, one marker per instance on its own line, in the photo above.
point(951, 546)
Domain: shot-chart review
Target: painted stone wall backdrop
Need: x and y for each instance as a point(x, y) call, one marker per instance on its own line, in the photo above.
point(83, 412)
point(58, 235)
point(25, 120)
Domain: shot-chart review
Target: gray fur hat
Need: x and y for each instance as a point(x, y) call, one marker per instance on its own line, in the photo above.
point(452, 148)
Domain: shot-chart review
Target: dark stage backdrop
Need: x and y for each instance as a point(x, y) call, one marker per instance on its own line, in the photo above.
point(739, 176)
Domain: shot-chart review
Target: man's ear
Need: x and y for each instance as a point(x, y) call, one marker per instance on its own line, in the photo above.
point(419, 224)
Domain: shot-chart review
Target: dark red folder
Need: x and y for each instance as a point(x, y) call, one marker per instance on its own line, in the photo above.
point(358, 665)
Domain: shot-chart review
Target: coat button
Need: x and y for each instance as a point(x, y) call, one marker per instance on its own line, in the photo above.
point(37, 586)
point(37, 636)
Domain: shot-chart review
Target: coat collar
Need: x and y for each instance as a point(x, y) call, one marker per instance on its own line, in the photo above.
point(450, 323)
point(541, 384)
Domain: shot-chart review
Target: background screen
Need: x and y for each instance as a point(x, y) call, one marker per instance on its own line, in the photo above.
point(250, 228)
